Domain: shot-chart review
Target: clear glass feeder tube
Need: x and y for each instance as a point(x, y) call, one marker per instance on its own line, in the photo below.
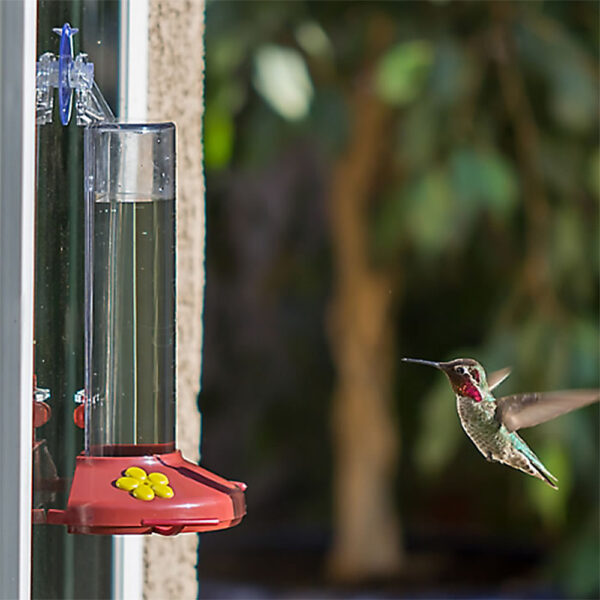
point(130, 289)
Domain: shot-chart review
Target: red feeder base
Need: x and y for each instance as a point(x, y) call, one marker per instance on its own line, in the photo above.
point(200, 501)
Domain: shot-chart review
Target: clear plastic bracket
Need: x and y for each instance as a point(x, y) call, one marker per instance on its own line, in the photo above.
point(71, 76)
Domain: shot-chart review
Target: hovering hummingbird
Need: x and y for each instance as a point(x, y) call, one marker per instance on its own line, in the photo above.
point(491, 422)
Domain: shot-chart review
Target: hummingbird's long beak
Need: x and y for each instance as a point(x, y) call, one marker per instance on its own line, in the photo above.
point(419, 361)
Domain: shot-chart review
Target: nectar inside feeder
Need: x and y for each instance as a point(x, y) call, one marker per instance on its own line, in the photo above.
point(130, 477)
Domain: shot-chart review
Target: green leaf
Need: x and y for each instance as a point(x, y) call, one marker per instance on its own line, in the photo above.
point(499, 189)
point(430, 213)
point(313, 39)
point(218, 137)
point(423, 212)
point(402, 71)
point(451, 74)
point(484, 179)
point(574, 101)
point(281, 77)
point(467, 175)
point(227, 53)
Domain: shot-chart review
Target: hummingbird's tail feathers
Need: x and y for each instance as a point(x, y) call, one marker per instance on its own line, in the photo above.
point(525, 459)
point(546, 476)
point(535, 469)
point(535, 464)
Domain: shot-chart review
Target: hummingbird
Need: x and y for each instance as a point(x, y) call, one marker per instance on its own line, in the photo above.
point(491, 423)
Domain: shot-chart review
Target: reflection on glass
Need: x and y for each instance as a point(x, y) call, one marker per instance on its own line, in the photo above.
point(65, 565)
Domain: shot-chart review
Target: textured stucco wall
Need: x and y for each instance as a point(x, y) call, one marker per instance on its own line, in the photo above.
point(175, 93)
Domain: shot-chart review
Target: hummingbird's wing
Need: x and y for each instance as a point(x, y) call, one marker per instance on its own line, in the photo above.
point(497, 377)
point(526, 410)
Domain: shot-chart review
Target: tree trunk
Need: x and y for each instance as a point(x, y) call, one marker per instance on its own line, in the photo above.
point(366, 530)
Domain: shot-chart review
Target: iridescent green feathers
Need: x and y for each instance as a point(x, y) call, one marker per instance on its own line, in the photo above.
point(494, 431)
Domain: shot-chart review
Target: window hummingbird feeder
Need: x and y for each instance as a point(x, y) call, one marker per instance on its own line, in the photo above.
point(130, 477)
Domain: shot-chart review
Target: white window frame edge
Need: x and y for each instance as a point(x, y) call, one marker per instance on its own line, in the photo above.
point(17, 212)
point(128, 550)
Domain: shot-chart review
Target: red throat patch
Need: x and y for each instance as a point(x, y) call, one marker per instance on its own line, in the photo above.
point(469, 390)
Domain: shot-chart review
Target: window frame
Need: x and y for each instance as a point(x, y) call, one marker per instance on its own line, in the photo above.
point(18, 24)
point(17, 210)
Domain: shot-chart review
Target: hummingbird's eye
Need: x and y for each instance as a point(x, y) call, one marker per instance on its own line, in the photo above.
point(460, 370)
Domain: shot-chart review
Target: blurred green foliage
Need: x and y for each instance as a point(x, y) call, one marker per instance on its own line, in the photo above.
point(487, 208)
point(402, 71)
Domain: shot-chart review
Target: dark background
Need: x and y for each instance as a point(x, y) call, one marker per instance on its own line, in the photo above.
point(481, 217)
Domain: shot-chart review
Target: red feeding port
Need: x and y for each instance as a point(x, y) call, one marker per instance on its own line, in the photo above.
point(198, 500)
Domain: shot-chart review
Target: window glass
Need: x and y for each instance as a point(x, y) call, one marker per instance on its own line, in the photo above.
point(64, 565)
